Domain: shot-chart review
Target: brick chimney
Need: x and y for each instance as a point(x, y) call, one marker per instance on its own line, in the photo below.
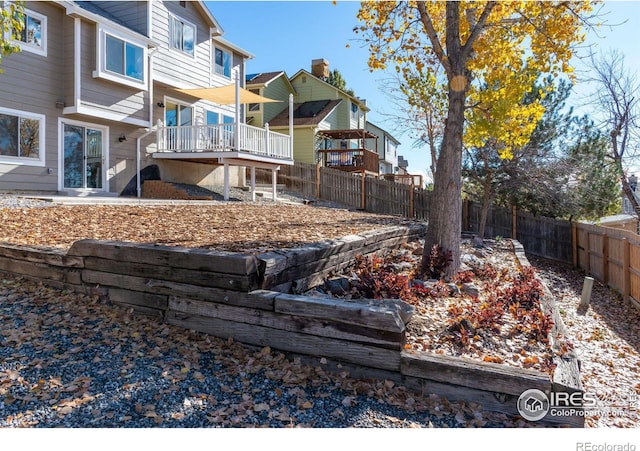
point(320, 68)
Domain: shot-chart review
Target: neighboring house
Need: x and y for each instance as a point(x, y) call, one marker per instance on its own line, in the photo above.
point(622, 221)
point(402, 166)
point(386, 148)
point(273, 85)
point(627, 219)
point(329, 124)
point(97, 96)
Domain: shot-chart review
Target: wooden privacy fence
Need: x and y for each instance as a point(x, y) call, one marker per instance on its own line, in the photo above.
point(610, 255)
point(352, 189)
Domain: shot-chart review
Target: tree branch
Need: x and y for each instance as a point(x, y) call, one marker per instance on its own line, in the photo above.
point(478, 27)
point(433, 37)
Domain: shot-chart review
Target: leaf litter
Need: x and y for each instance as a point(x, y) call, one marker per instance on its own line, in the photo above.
point(68, 355)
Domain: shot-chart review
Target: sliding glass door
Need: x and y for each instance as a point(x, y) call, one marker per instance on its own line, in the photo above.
point(83, 157)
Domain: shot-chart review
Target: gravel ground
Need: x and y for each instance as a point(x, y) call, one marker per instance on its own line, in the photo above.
point(70, 360)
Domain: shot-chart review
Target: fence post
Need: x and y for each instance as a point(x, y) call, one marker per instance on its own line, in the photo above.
point(605, 259)
point(465, 215)
point(574, 243)
point(318, 180)
point(626, 269)
point(514, 218)
point(363, 200)
point(411, 200)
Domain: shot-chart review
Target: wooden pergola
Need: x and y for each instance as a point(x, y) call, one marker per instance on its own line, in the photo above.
point(358, 159)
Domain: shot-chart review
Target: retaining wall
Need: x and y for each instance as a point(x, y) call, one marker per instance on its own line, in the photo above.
point(252, 299)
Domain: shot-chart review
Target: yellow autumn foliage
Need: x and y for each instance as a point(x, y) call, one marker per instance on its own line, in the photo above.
point(517, 43)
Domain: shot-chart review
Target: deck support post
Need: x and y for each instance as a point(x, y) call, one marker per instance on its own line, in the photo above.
point(226, 181)
point(274, 183)
point(253, 183)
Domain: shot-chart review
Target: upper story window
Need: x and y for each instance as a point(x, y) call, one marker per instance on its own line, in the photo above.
point(33, 37)
point(21, 137)
point(121, 59)
point(254, 106)
point(355, 111)
point(222, 61)
point(124, 58)
point(183, 35)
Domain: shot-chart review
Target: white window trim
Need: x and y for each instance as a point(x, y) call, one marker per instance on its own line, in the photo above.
point(195, 35)
point(101, 62)
point(105, 154)
point(27, 161)
point(193, 106)
point(25, 46)
point(213, 62)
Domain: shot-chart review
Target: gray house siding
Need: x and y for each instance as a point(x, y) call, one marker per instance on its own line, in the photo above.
point(105, 95)
point(174, 66)
point(33, 83)
point(132, 14)
point(48, 86)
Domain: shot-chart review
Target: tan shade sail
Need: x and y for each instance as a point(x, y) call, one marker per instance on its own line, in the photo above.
point(226, 95)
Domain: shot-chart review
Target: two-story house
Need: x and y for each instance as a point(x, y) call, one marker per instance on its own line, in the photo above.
point(329, 123)
point(103, 95)
point(386, 148)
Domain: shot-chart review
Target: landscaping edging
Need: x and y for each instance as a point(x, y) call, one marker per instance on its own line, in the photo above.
point(235, 296)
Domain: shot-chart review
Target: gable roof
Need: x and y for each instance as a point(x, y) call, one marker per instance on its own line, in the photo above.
point(306, 113)
point(263, 79)
point(235, 48)
point(370, 125)
point(352, 98)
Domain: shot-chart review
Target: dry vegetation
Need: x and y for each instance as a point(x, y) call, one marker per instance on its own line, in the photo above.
point(222, 226)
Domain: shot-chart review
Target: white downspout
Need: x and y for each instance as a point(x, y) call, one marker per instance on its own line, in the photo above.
point(291, 126)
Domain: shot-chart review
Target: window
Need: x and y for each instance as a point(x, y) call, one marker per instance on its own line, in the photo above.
point(354, 111)
point(182, 35)
point(121, 59)
point(213, 118)
point(124, 58)
point(33, 37)
point(254, 106)
point(21, 135)
point(178, 115)
point(223, 63)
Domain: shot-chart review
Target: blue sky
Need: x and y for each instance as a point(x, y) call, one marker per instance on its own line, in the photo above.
point(287, 35)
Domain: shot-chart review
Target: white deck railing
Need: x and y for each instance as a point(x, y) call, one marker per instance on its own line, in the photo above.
point(222, 138)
